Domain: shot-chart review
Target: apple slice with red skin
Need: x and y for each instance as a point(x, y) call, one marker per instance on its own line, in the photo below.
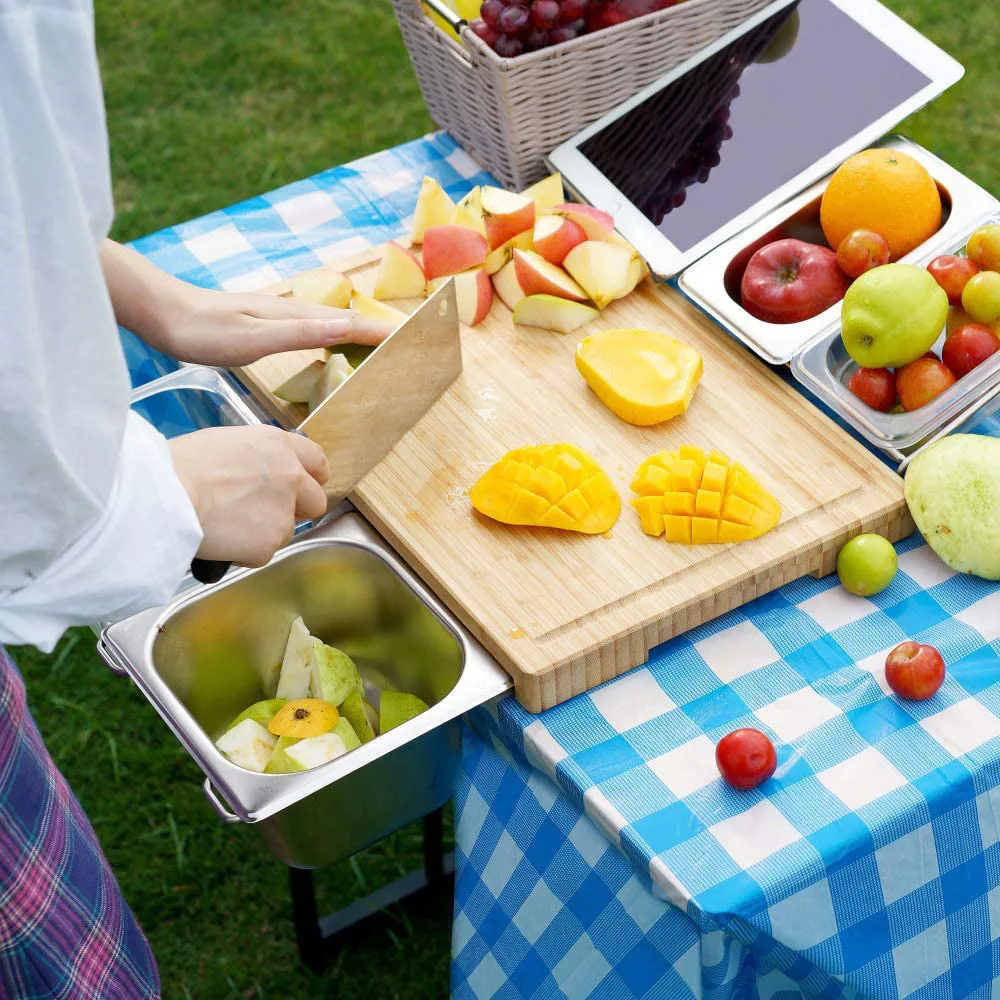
point(400, 275)
point(452, 249)
point(505, 214)
point(469, 212)
point(473, 293)
point(434, 208)
point(537, 276)
point(507, 286)
point(505, 253)
point(789, 281)
point(549, 312)
point(555, 236)
point(601, 269)
point(596, 224)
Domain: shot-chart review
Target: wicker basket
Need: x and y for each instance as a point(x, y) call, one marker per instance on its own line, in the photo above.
point(510, 113)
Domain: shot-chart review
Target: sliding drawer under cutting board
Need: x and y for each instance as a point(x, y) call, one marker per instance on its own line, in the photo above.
point(564, 612)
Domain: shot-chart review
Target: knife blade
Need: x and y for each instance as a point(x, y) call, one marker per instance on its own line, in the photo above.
point(363, 419)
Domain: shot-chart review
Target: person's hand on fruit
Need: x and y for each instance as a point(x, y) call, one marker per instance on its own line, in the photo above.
point(225, 329)
point(248, 486)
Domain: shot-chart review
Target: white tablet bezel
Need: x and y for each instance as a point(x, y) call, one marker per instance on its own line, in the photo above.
point(665, 260)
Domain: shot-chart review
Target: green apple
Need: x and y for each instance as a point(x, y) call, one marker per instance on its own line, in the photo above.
point(892, 315)
point(353, 711)
point(248, 744)
point(398, 707)
point(334, 675)
point(262, 712)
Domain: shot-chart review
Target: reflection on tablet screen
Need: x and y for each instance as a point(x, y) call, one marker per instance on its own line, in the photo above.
point(745, 121)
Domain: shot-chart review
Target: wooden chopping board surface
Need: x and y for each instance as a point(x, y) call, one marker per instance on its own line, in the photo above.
point(564, 612)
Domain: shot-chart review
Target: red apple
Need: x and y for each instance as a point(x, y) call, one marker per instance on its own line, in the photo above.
point(537, 276)
point(921, 381)
point(860, 251)
point(506, 215)
point(914, 671)
point(452, 249)
point(746, 758)
point(875, 387)
point(952, 274)
point(596, 224)
point(400, 275)
point(969, 346)
point(555, 236)
point(789, 281)
point(473, 293)
point(507, 286)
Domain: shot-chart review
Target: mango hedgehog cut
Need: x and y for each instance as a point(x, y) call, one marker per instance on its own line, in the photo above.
point(700, 499)
point(548, 486)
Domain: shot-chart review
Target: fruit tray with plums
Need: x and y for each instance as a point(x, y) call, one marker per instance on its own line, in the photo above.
point(780, 287)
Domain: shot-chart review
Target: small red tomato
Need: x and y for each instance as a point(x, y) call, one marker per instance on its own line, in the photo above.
point(875, 387)
point(952, 274)
point(745, 758)
point(921, 381)
point(860, 251)
point(969, 346)
point(914, 671)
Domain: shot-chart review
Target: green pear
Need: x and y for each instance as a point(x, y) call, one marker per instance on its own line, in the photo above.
point(296, 666)
point(346, 732)
point(262, 712)
point(953, 491)
point(334, 675)
point(892, 315)
point(398, 707)
point(279, 762)
point(353, 710)
point(248, 744)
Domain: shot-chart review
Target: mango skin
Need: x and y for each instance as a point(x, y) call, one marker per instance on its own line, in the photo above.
point(953, 492)
point(641, 376)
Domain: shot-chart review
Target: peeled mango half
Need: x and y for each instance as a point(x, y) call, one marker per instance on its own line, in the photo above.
point(953, 492)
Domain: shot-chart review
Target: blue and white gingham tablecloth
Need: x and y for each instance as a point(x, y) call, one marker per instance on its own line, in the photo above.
point(599, 853)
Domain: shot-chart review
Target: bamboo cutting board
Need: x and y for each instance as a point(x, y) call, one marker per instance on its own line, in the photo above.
point(564, 612)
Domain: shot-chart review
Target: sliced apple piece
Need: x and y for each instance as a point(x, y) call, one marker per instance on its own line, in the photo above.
point(596, 224)
point(602, 269)
point(324, 287)
point(452, 249)
point(506, 214)
point(400, 275)
point(469, 212)
point(547, 193)
point(637, 272)
point(537, 276)
point(434, 208)
point(377, 312)
point(336, 372)
point(299, 387)
point(553, 313)
point(555, 236)
point(507, 286)
point(473, 293)
point(505, 253)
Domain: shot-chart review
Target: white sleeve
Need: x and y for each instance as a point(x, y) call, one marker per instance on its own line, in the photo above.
point(132, 558)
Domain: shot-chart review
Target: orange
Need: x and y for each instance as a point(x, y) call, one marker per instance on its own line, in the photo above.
point(887, 192)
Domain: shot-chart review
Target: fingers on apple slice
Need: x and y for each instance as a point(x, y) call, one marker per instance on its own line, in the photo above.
point(507, 286)
point(400, 274)
point(537, 276)
point(473, 293)
point(506, 215)
point(596, 224)
point(324, 287)
point(554, 236)
point(547, 193)
point(505, 253)
point(603, 270)
point(434, 208)
point(452, 249)
point(553, 313)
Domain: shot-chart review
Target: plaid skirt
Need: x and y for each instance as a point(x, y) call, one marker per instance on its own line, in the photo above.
point(65, 929)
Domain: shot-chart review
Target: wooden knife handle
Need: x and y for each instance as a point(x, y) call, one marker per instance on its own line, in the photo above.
point(209, 570)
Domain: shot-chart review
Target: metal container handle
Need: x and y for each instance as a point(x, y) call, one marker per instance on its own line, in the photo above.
point(217, 804)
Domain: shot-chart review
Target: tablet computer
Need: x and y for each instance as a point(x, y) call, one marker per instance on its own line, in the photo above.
point(750, 121)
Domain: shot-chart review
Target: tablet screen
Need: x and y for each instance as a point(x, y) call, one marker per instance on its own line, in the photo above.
point(745, 121)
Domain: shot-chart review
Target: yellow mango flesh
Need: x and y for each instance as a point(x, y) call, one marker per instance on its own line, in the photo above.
point(701, 499)
point(642, 376)
point(548, 486)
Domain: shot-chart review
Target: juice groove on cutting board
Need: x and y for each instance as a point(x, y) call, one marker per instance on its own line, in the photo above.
point(565, 612)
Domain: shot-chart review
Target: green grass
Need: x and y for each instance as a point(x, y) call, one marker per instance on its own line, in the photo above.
point(210, 102)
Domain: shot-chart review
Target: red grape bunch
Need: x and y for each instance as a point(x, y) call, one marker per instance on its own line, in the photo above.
point(511, 27)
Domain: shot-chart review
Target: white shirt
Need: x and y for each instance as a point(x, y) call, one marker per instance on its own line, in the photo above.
point(94, 522)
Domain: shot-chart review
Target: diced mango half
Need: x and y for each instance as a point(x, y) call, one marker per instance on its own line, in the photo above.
point(549, 486)
point(700, 499)
point(642, 376)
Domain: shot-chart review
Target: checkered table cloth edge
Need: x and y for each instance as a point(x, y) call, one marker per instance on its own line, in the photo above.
point(869, 862)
